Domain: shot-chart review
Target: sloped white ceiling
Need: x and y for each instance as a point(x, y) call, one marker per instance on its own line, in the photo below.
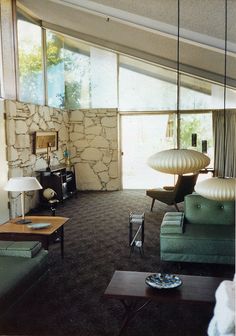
point(148, 29)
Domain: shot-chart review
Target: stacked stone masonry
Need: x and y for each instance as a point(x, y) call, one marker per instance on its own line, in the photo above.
point(90, 136)
point(94, 148)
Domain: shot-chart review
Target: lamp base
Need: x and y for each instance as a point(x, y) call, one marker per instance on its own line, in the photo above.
point(24, 221)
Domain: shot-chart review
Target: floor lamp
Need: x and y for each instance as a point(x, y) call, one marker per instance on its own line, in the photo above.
point(22, 184)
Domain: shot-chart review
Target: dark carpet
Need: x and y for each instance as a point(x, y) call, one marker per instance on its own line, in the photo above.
point(69, 300)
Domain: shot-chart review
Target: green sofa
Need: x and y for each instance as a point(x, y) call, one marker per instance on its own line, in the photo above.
point(204, 233)
point(21, 265)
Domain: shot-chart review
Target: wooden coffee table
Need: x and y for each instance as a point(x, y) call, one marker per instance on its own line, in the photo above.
point(130, 288)
point(12, 230)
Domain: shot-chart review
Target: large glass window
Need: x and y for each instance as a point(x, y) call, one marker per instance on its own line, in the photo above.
point(103, 78)
point(199, 94)
point(230, 98)
point(55, 69)
point(145, 87)
point(79, 75)
point(31, 84)
point(68, 72)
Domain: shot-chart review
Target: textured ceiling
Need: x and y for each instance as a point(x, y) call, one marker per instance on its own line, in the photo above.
point(200, 16)
point(210, 12)
point(148, 29)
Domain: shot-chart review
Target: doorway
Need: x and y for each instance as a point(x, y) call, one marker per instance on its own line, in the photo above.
point(142, 136)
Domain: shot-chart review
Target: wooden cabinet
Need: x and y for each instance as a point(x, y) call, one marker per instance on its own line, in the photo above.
point(59, 178)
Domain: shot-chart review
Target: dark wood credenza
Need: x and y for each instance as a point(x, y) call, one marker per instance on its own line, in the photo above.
point(59, 178)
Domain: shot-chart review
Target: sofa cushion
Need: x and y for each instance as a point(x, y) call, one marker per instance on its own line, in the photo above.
point(172, 222)
point(27, 249)
point(17, 274)
point(199, 210)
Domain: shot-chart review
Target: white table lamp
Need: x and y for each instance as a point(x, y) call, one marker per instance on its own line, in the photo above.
point(22, 184)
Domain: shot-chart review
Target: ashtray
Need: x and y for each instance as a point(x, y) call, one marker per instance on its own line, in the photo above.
point(163, 281)
point(38, 226)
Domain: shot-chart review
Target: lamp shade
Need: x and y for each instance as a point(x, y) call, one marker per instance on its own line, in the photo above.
point(178, 161)
point(22, 184)
point(217, 188)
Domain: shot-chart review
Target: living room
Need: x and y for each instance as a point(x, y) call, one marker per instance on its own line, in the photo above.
point(86, 73)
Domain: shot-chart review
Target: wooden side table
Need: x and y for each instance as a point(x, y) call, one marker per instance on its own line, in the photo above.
point(14, 231)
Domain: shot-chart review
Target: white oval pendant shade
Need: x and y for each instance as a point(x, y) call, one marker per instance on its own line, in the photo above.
point(217, 188)
point(178, 161)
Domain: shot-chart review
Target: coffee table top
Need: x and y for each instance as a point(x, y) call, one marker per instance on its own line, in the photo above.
point(125, 285)
point(13, 227)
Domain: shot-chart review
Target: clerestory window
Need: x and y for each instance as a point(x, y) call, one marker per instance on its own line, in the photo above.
point(30, 61)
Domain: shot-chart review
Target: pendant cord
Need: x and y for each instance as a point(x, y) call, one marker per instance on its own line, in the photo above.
point(178, 79)
point(225, 83)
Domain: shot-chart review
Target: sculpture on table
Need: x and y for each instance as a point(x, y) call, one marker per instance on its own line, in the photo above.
point(67, 157)
point(50, 195)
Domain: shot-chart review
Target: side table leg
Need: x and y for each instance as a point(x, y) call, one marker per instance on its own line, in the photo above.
point(46, 244)
point(131, 310)
point(62, 241)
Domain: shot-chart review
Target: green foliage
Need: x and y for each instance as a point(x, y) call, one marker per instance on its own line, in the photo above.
point(71, 99)
point(31, 68)
point(72, 95)
point(32, 62)
point(190, 124)
point(53, 54)
point(187, 127)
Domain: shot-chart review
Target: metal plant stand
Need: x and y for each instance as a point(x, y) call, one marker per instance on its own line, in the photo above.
point(136, 232)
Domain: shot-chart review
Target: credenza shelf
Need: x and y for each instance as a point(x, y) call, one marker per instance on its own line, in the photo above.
point(59, 178)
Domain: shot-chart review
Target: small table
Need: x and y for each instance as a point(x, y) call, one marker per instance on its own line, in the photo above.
point(13, 231)
point(131, 286)
point(136, 239)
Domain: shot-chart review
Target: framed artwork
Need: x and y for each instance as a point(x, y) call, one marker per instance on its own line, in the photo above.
point(44, 141)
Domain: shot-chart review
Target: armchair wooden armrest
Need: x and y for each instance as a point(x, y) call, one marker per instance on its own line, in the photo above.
point(168, 188)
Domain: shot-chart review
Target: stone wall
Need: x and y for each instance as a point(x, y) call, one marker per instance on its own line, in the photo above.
point(91, 136)
point(22, 121)
point(94, 148)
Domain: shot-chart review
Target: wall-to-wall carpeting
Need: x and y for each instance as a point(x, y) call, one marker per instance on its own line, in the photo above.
point(69, 301)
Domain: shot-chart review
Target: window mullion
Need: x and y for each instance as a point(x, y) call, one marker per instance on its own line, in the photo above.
point(44, 56)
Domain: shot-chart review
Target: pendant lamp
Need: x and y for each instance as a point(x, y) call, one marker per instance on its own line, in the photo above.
point(220, 188)
point(178, 161)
